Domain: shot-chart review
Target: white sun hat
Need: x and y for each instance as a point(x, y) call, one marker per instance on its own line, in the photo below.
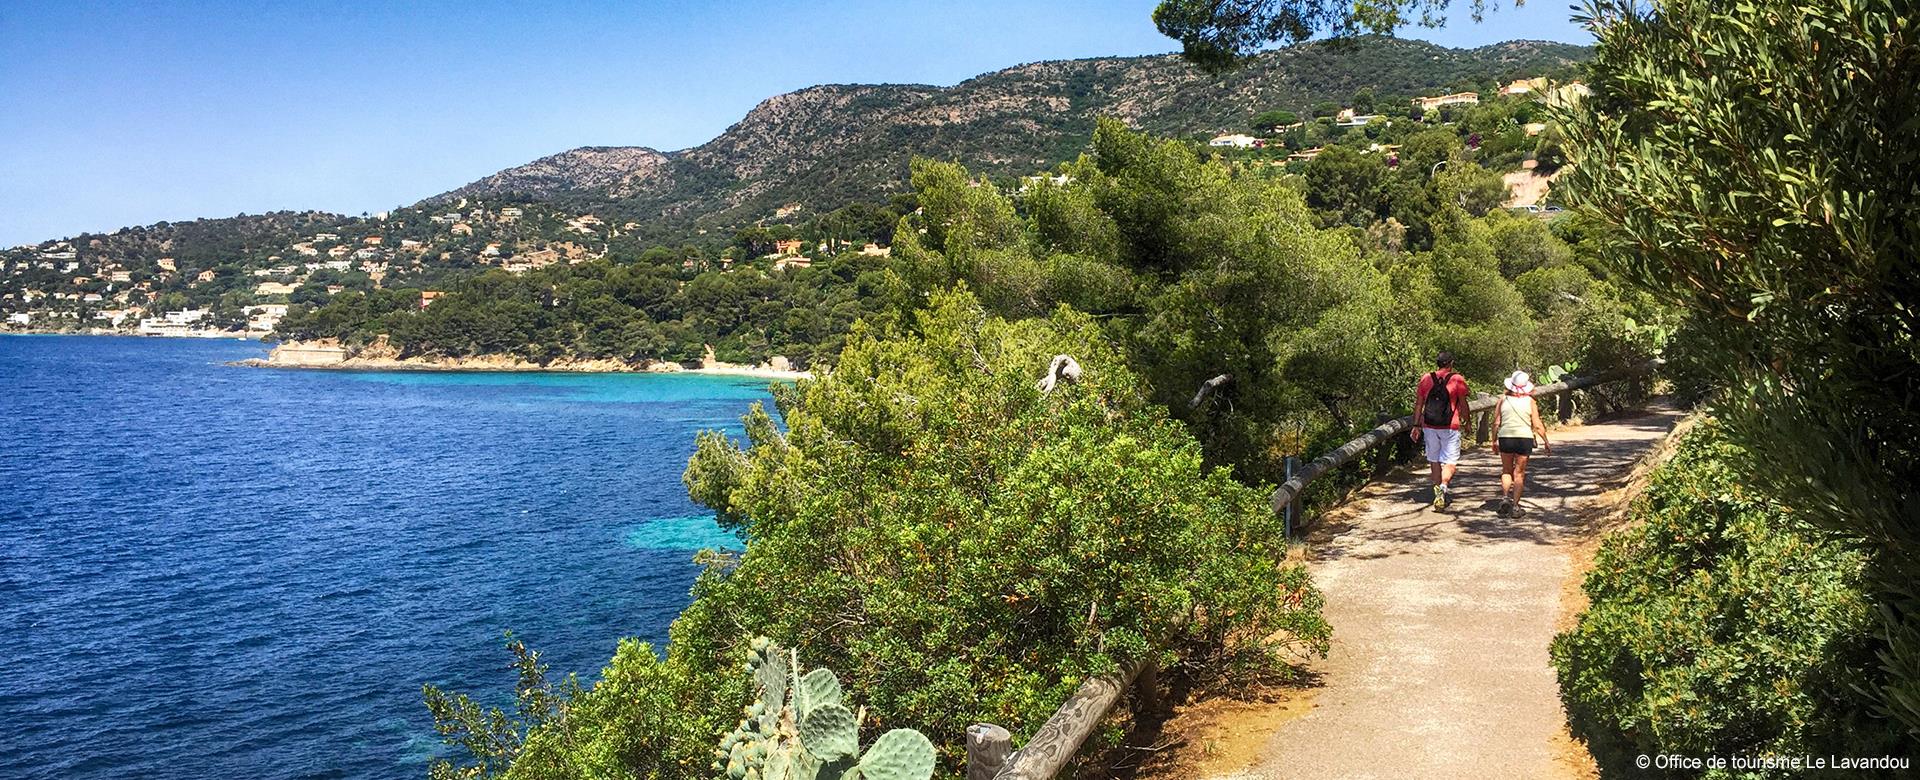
point(1520, 383)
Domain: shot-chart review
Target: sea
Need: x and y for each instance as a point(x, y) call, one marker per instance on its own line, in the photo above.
point(215, 571)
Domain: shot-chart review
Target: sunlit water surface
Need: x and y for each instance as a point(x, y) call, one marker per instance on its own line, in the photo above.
point(212, 571)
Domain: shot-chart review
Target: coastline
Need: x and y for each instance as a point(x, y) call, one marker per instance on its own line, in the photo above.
point(223, 335)
point(378, 357)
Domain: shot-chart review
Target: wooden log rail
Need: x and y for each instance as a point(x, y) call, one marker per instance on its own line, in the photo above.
point(989, 748)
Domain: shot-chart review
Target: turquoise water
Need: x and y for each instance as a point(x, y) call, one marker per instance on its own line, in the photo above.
point(217, 571)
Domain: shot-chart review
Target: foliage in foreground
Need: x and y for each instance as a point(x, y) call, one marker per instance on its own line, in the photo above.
point(967, 547)
point(631, 723)
point(1720, 625)
point(797, 728)
point(1756, 167)
point(956, 544)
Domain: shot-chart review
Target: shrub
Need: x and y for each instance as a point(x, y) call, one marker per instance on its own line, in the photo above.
point(629, 724)
point(960, 546)
point(1720, 625)
point(955, 543)
point(1753, 165)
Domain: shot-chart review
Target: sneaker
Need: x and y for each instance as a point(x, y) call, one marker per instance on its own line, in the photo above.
point(1439, 496)
point(1506, 506)
point(1517, 511)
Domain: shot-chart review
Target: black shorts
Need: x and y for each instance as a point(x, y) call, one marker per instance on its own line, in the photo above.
point(1515, 445)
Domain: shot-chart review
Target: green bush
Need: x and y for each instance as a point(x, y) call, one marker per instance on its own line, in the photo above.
point(1753, 166)
point(631, 723)
point(954, 543)
point(1720, 625)
point(960, 546)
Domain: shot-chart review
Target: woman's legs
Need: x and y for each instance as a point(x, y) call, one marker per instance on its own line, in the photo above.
point(1519, 476)
point(1506, 474)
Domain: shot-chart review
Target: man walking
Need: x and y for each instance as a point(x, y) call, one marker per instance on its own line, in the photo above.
point(1440, 404)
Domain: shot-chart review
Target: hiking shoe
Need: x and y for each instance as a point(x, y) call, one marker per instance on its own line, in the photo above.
point(1516, 511)
point(1506, 506)
point(1439, 496)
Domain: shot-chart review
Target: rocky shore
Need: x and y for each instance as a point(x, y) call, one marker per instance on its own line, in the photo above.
point(380, 356)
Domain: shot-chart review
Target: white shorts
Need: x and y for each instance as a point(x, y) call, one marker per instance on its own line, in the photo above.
point(1443, 444)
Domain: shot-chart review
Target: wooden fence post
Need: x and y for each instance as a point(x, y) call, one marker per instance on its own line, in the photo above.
point(987, 749)
point(1291, 516)
point(1566, 406)
point(1146, 690)
point(1385, 457)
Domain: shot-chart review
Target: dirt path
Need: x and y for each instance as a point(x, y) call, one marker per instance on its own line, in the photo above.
point(1442, 620)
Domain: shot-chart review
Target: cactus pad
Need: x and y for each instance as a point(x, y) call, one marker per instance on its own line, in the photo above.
point(900, 754)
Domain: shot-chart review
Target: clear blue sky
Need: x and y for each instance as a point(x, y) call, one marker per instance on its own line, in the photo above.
point(116, 114)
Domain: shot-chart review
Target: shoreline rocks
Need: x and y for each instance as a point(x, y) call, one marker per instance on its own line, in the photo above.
point(381, 356)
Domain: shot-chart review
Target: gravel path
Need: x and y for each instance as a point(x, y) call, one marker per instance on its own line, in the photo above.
point(1441, 620)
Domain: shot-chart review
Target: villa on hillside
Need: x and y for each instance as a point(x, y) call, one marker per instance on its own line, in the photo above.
point(1524, 86)
point(1457, 98)
point(787, 248)
point(427, 297)
point(1236, 141)
point(1568, 95)
point(1347, 118)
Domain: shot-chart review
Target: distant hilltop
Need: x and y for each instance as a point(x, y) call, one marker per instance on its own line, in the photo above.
point(823, 147)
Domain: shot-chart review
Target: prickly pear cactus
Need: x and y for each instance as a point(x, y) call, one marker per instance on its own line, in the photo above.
point(796, 728)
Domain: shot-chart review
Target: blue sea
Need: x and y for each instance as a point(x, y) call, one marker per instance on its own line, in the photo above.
point(214, 571)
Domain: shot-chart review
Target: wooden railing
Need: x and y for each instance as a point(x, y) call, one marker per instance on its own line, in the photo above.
point(990, 754)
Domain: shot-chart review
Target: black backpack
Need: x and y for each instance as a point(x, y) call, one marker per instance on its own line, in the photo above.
point(1437, 411)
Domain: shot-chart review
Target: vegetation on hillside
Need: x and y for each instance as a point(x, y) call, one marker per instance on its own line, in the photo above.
point(1774, 203)
point(1722, 624)
point(962, 546)
point(1202, 270)
point(955, 543)
point(651, 310)
point(1752, 166)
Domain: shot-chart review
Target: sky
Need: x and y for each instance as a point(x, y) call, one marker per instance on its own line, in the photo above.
point(118, 114)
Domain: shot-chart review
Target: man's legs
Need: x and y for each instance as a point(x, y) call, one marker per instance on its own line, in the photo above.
point(1443, 452)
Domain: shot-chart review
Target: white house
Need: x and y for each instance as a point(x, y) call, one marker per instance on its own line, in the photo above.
point(1236, 140)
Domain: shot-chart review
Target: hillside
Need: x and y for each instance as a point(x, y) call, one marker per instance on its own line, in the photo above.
point(811, 171)
point(826, 146)
point(617, 171)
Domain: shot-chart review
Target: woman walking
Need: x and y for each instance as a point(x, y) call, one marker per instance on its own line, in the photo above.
point(1516, 421)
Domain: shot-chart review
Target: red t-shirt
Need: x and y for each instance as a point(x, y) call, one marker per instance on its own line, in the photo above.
point(1456, 387)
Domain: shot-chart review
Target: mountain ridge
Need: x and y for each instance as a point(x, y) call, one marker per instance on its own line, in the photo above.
point(826, 145)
